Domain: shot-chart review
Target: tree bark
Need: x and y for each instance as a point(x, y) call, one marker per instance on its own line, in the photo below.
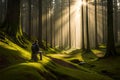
point(11, 23)
point(69, 25)
point(116, 21)
point(40, 23)
point(87, 31)
point(103, 22)
point(46, 23)
point(83, 43)
point(110, 35)
point(51, 29)
point(29, 19)
point(96, 38)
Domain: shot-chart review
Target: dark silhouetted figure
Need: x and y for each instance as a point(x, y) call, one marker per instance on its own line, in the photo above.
point(35, 50)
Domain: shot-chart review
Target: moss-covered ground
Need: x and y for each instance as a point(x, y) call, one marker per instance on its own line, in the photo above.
point(73, 64)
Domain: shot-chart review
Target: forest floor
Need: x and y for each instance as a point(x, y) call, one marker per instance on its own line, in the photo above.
point(71, 64)
point(93, 61)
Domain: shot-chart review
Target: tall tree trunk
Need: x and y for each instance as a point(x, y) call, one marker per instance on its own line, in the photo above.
point(11, 23)
point(103, 22)
point(116, 21)
point(40, 23)
point(1, 12)
point(69, 25)
point(96, 38)
point(87, 31)
point(83, 43)
point(3, 6)
point(61, 24)
point(51, 29)
point(110, 35)
point(29, 19)
point(46, 23)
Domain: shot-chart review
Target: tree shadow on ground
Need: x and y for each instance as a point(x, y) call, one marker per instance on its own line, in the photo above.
point(73, 53)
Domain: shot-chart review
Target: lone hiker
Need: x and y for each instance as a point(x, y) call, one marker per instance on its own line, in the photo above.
point(35, 50)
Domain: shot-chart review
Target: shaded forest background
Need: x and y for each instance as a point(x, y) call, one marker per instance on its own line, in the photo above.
point(76, 36)
point(65, 24)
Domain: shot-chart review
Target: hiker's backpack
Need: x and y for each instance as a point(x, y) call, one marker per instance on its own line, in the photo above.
point(35, 48)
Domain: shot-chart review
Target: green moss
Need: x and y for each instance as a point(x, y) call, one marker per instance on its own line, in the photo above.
point(104, 66)
point(22, 71)
point(20, 68)
point(11, 53)
point(74, 74)
point(108, 66)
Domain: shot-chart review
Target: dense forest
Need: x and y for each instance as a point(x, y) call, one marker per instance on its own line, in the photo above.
point(77, 39)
